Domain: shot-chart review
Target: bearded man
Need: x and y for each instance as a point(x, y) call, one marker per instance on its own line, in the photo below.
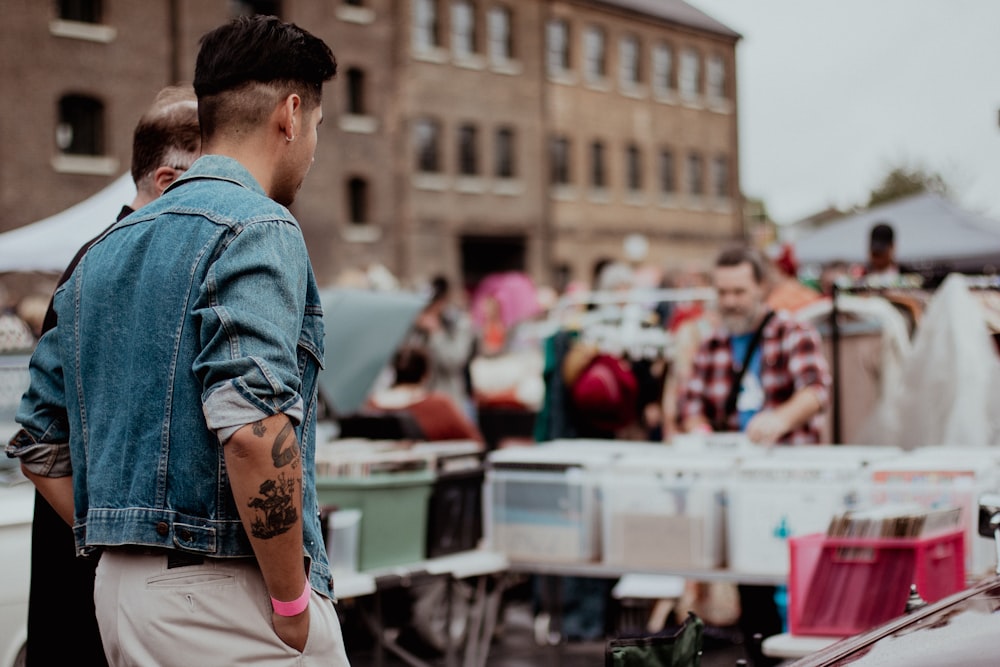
point(762, 372)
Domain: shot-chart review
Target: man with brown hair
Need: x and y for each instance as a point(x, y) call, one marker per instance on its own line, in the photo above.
point(761, 372)
point(165, 143)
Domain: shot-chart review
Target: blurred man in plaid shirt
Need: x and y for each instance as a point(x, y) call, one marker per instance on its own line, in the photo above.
point(762, 372)
point(780, 395)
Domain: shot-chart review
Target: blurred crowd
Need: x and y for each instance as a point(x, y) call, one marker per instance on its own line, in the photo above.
point(481, 350)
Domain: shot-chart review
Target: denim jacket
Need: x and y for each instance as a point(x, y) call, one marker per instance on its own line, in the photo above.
point(192, 317)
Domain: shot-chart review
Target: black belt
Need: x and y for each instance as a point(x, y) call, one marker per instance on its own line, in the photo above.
point(175, 557)
point(183, 559)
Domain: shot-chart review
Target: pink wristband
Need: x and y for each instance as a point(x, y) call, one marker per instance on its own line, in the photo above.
point(295, 607)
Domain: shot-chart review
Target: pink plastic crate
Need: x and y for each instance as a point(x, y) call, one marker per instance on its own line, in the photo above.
point(840, 586)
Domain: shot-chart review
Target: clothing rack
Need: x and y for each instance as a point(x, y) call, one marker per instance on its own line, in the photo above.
point(638, 295)
point(979, 282)
point(619, 325)
point(616, 323)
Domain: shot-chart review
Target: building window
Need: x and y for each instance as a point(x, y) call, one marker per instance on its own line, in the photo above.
point(695, 178)
point(427, 140)
point(426, 29)
point(505, 153)
point(668, 176)
point(84, 11)
point(628, 60)
point(357, 201)
point(689, 80)
point(251, 7)
point(463, 28)
point(557, 47)
point(595, 54)
point(468, 153)
point(633, 168)
point(715, 73)
point(498, 22)
point(720, 177)
point(663, 68)
point(81, 126)
point(355, 92)
point(559, 160)
point(598, 173)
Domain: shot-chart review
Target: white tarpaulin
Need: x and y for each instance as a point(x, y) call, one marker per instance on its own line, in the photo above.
point(929, 229)
point(50, 244)
point(363, 330)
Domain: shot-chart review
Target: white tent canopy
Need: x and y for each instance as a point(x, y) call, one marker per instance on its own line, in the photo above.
point(929, 230)
point(50, 244)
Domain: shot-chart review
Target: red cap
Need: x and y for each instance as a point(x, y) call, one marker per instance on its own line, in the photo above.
point(606, 394)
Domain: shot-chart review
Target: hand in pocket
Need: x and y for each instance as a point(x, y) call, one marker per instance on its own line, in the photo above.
point(292, 630)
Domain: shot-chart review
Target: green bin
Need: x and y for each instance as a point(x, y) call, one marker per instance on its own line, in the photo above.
point(393, 513)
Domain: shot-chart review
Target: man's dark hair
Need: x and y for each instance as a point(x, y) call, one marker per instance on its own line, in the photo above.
point(251, 50)
point(410, 364)
point(440, 287)
point(882, 238)
point(167, 134)
point(744, 254)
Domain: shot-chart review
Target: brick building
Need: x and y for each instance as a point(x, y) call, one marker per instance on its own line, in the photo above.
point(461, 136)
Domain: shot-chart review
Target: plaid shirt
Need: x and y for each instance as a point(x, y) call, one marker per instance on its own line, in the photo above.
point(791, 359)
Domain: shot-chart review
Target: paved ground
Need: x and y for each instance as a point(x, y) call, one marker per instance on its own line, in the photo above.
point(515, 646)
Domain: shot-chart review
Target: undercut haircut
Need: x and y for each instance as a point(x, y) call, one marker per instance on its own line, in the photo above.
point(744, 254)
point(245, 67)
point(167, 135)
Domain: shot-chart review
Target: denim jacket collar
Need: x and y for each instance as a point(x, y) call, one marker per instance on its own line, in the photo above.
point(219, 167)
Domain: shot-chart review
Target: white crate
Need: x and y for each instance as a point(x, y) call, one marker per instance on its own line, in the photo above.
point(543, 514)
point(855, 454)
point(776, 497)
point(586, 453)
point(732, 444)
point(938, 478)
point(664, 511)
point(541, 503)
point(594, 450)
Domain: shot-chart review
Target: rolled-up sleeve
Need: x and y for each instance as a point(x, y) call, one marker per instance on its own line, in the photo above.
point(250, 319)
point(42, 445)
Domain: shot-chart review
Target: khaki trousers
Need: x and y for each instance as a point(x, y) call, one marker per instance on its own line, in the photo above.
point(213, 614)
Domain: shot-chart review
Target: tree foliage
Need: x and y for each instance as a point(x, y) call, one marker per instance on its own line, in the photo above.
point(905, 181)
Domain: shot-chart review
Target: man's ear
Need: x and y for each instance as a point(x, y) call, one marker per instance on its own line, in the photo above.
point(290, 116)
point(163, 177)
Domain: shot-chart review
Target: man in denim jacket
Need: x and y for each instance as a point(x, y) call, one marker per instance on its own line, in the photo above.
point(171, 413)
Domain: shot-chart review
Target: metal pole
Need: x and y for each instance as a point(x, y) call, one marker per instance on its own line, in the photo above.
point(835, 363)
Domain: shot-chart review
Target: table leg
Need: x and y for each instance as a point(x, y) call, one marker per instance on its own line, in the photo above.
point(474, 628)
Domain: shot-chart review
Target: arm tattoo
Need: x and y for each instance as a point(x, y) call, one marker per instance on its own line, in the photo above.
point(284, 456)
point(259, 429)
point(275, 513)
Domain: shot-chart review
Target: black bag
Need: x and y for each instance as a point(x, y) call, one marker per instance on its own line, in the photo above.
point(720, 423)
point(681, 649)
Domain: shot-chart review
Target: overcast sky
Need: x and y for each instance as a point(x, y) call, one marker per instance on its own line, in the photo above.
point(833, 93)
